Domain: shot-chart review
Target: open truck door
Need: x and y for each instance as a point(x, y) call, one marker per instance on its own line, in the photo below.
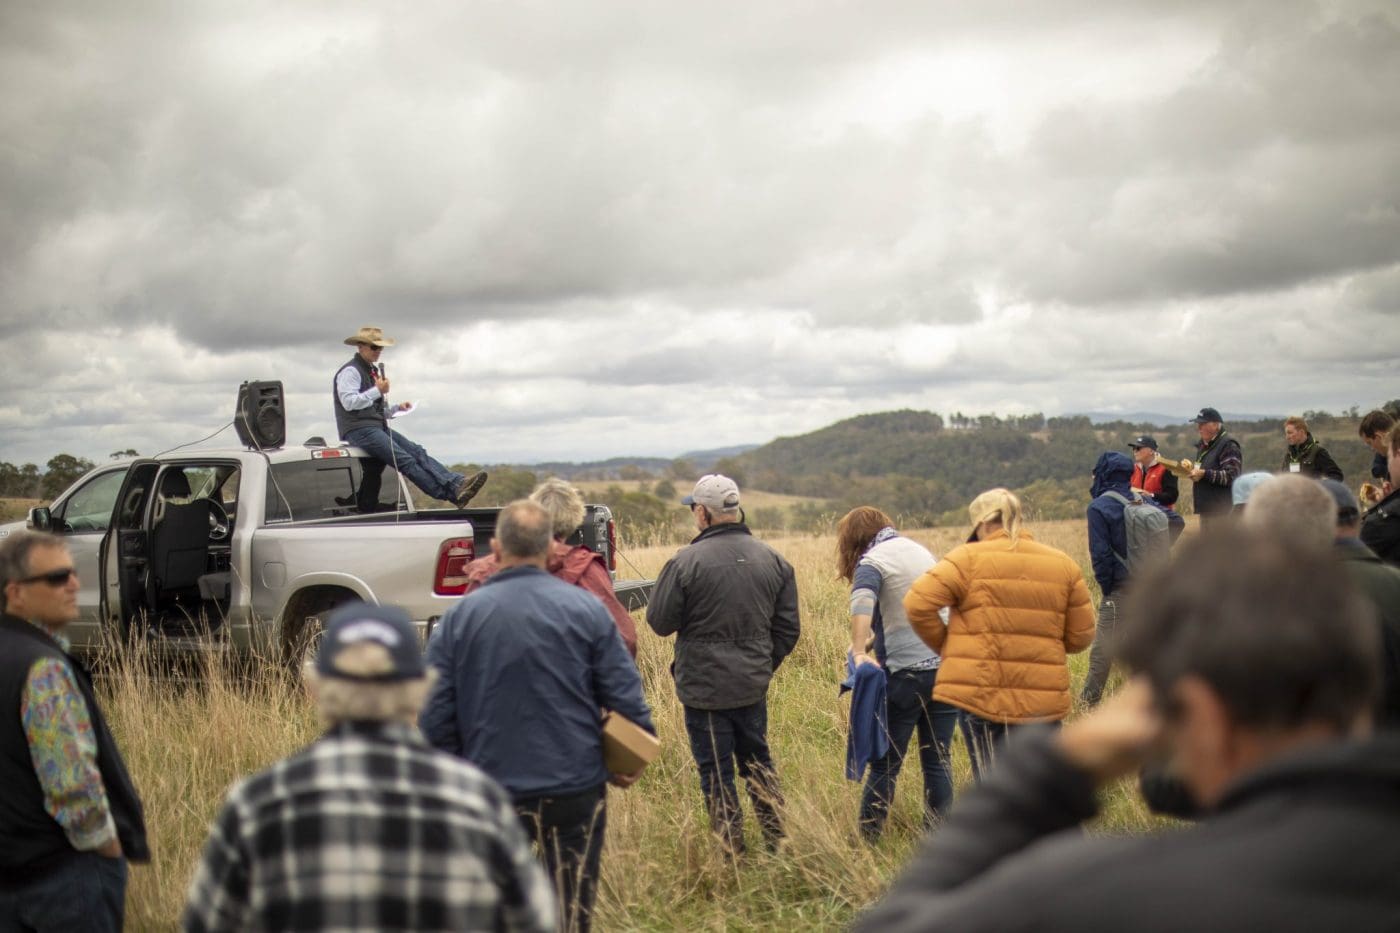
point(125, 552)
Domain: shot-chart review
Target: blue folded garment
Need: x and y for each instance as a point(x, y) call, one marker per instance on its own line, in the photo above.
point(869, 737)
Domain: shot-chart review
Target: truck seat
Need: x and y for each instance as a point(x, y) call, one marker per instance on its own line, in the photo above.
point(180, 546)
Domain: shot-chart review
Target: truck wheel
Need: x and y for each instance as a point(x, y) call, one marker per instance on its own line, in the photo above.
point(305, 622)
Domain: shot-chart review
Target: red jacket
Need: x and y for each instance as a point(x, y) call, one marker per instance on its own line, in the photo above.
point(1158, 482)
point(579, 566)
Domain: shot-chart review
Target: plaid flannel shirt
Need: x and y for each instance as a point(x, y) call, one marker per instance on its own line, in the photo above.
point(369, 829)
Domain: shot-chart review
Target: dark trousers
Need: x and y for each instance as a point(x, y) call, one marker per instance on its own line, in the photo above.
point(569, 832)
point(1101, 655)
point(371, 482)
point(910, 707)
point(984, 738)
point(1175, 525)
point(1214, 519)
point(723, 740)
point(87, 893)
point(409, 459)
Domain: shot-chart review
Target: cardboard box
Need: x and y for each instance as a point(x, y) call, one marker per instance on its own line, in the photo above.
point(627, 747)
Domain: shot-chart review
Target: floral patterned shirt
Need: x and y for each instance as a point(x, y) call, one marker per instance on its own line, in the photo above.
point(64, 751)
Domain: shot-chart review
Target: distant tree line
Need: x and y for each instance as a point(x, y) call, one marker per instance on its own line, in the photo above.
point(913, 464)
point(27, 481)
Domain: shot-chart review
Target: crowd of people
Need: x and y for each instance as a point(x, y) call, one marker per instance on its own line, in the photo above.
point(465, 786)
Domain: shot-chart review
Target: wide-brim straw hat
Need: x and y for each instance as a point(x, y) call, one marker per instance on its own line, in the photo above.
point(370, 335)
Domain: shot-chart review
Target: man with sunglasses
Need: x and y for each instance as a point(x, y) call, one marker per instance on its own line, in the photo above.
point(70, 817)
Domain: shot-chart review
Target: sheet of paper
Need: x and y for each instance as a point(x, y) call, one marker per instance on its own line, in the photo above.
point(407, 409)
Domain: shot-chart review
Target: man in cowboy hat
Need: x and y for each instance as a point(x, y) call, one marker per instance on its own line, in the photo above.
point(362, 413)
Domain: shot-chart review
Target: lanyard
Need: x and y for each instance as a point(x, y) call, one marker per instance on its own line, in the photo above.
point(1201, 457)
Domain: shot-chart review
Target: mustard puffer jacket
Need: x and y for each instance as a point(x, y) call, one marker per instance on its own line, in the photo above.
point(1017, 611)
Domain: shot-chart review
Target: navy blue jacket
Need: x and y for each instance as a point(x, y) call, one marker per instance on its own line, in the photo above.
point(869, 736)
point(524, 664)
point(1108, 532)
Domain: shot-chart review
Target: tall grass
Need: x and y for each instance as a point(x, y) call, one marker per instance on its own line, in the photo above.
point(186, 741)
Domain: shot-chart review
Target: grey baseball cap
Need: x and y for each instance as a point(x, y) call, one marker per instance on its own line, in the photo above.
point(1244, 487)
point(1348, 508)
point(714, 491)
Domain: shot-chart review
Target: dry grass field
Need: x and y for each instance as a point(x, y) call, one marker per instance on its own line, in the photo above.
point(186, 743)
point(753, 499)
point(13, 510)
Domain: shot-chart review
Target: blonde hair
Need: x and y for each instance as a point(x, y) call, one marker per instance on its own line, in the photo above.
point(1297, 422)
point(998, 505)
point(563, 503)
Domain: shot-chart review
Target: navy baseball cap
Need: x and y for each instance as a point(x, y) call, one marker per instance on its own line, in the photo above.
point(1206, 414)
point(1143, 440)
point(363, 624)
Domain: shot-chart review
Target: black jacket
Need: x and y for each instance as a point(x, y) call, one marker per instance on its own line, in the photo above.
point(1381, 584)
point(1380, 529)
point(1307, 842)
point(1312, 459)
point(1223, 463)
point(32, 844)
point(732, 602)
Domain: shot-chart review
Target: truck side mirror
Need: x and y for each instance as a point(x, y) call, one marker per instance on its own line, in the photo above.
point(41, 519)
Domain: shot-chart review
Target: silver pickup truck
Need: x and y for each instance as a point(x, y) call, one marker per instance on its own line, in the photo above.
point(253, 548)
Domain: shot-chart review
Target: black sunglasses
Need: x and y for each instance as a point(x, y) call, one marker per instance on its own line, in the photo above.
point(52, 578)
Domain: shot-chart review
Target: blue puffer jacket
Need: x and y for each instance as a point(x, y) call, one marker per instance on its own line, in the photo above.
point(1107, 530)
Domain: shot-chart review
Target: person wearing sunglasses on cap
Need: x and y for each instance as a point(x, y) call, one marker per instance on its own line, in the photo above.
point(70, 817)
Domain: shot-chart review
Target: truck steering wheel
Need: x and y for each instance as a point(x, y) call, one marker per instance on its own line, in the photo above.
point(219, 523)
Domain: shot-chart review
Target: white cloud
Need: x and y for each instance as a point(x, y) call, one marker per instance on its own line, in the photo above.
point(617, 227)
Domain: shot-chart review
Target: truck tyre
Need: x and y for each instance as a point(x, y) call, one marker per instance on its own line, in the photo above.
point(304, 621)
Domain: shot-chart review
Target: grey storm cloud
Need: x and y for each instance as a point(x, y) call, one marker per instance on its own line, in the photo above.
point(554, 205)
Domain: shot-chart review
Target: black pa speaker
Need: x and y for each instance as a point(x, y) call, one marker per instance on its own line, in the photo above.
point(260, 419)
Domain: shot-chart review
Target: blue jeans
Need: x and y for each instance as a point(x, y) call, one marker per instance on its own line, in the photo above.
point(720, 740)
point(409, 459)
point(87, 893)
point(909, 707)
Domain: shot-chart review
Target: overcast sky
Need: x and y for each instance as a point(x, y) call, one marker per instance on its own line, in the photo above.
point(642, 228)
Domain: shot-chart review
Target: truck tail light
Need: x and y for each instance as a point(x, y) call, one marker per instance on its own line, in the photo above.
point(453, 556)
point(612, 545)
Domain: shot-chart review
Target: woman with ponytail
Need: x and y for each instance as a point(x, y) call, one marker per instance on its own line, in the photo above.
point(1017, 609)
